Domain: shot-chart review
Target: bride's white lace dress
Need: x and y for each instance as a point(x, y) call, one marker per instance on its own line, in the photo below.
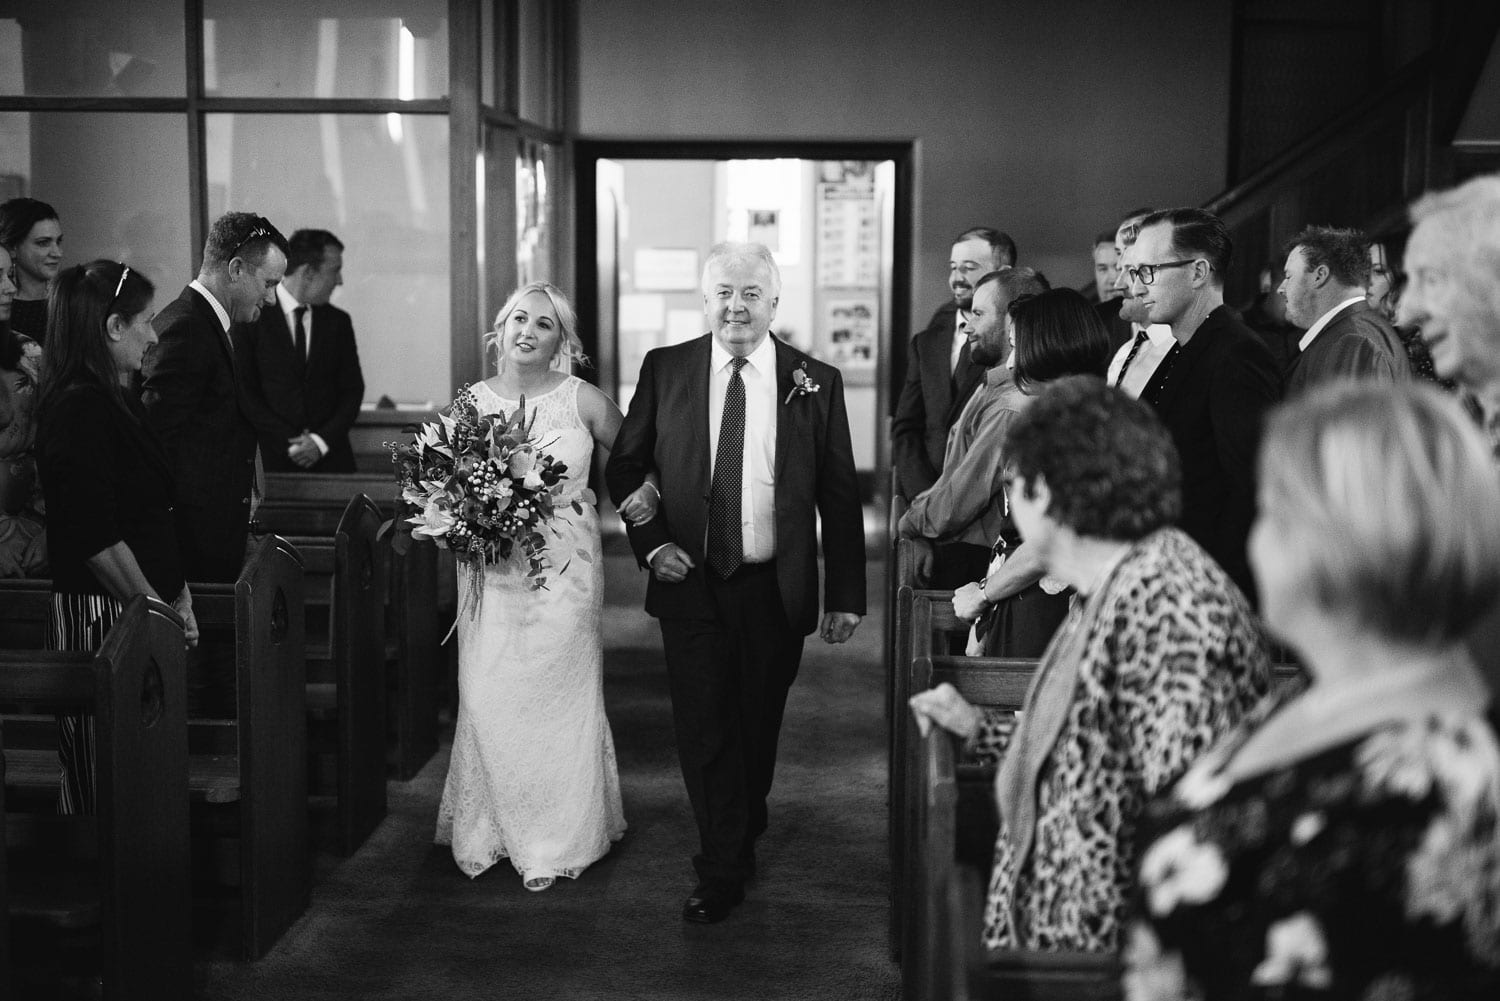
point(533, 775)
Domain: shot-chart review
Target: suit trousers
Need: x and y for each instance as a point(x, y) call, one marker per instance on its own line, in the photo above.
point(729, 678)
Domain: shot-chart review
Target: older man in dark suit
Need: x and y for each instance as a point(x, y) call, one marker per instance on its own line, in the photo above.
point(300, 365)
point(1211, 392)
point(750, 440)
point(192, 396)
point(1327, 271)
point(940, 375)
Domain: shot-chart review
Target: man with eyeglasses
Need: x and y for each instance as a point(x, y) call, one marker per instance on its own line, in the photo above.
point(1212, 391)
point(1136, 361)
point(191, 392)
point(940, 374)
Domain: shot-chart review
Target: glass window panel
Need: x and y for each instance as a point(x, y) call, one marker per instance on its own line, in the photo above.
point(535, 61)
point(382, 49)
point(380, 183)
point(118, 195)
point(107, 48)
point(536, 169)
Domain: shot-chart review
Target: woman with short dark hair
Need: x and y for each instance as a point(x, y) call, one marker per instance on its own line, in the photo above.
point(23, 544)
point(108, 487)
point(1053, 334)
point(1159, 657)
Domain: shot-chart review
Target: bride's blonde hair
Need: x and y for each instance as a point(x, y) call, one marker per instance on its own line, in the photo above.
point(569, 348)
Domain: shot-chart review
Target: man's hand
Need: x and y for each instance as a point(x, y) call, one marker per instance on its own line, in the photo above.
point(837, 627)
point(303, 450)
point(671, 564)
point(922, 559)
point(945, 707)
point(969, 602)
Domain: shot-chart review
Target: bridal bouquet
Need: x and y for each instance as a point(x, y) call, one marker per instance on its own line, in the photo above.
point(481, 485)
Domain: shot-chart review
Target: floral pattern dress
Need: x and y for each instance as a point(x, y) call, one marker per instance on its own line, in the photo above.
point(1368, 871)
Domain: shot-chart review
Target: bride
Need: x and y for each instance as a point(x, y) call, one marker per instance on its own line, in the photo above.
point(533, 775)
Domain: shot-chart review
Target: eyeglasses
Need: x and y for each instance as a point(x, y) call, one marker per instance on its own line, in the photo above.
point(261, 229)
point(1146, 273)
point(119, 287)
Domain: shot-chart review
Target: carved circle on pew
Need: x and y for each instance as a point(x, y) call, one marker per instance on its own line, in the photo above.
point(153, 698)
point(278, 616)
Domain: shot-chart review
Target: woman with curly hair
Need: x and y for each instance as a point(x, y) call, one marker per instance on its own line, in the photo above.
point(1158, 658)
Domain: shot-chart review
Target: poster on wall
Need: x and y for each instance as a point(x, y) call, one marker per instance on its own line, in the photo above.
point(848, 221)
point(849, 327)
point(765, 227)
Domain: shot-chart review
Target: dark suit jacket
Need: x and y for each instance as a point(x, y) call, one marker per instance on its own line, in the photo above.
point(667, 430)
point(931, 399)
point(1212, 399)
point(1358, 343)
point(1120, 330)
point(192, 401)
point(284, 397)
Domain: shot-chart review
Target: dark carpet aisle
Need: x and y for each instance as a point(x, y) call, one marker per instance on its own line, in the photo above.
point(399, 921)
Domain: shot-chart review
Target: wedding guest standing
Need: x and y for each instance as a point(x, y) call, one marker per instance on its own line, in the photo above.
point(23, 544)
point(192, 392)
point(1159, 658)
point(31, 231)
point(301, 377)
point(108, 486)
point(1343, 843)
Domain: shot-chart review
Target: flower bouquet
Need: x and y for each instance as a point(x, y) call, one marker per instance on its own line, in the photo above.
point(481, 485)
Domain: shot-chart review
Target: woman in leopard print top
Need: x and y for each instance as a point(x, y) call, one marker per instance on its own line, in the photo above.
point(1160, 656)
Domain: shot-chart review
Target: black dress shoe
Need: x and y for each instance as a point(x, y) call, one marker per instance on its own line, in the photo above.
point(711, 903)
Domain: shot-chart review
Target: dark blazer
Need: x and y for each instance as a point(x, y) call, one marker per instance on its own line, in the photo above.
point(191, 395)
point(931, 399)
point(283, 397)
point(667, 430)
point(1358, 343)
point(106, 480)
point(1212, 399)
point(1120, 330)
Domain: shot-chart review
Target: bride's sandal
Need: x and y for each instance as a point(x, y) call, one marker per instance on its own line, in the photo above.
point(538, 883)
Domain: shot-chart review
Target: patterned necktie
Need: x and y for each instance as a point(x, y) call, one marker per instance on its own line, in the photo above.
point(726, 548)
point(299, 312)
point(1140, 339)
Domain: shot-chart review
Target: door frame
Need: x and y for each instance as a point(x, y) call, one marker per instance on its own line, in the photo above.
point(891, 354)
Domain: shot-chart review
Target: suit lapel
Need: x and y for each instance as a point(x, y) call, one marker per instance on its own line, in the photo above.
point(699, 455)
point(784, 415)
point(206, 313)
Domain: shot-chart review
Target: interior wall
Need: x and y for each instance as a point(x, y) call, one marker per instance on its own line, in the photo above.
point(1047, 119)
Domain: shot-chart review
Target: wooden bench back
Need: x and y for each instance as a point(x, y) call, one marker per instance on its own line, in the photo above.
point(357, 636)
point(134, 687)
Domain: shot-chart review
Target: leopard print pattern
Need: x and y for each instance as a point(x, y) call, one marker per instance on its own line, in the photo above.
point(1174, 662)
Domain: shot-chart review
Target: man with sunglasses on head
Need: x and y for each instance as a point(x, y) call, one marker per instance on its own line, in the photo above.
point(191, 392)
point(1212, 391)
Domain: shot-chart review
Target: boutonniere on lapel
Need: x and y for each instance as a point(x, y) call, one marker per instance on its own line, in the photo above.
point(802, 384)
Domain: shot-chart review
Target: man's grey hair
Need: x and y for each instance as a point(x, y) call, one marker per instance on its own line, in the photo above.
point(1468, 219)
point(732, 251)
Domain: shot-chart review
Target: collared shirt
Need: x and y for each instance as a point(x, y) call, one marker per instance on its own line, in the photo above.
point(1325, 319)
point(289, 306)
point(758, 486)
point(967, 503)
point(1143, 365)
point(960, 338)
point(219, 311)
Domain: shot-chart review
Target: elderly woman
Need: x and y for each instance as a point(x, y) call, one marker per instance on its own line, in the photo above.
point(108, 487)
point(1159, 658)
point(1343, 843)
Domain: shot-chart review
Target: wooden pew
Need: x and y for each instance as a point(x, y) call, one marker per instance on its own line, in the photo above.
point(117, 880)
point(247, 736)
point(345, 692)
point(418, 598)
point(250, 838)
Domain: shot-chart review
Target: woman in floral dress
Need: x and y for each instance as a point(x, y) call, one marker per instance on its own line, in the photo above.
point(1344, 842)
